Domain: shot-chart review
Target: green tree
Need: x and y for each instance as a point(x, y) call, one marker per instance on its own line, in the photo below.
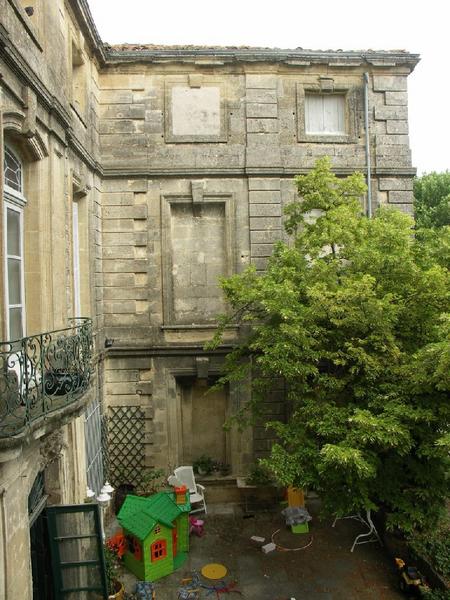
point(351, 314)
point(432, 199)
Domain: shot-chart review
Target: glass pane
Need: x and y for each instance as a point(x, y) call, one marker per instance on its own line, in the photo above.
point(13, 228)
point(12, 170)
point(314, 114)
point(76, 523)
point(14, 281)
point(324, 114)
point(15, 323)
point(333, 108)
point(81, 577)
point(81, 549)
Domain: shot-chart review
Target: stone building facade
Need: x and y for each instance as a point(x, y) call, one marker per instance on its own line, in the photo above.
point(50, 248)
point(199, 147)
point(134, 177)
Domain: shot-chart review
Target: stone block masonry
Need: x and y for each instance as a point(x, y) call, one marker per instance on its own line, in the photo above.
point(165, 168)
point(264, 216)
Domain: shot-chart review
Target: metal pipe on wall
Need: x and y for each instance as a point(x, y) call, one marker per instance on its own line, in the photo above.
point(366, 126)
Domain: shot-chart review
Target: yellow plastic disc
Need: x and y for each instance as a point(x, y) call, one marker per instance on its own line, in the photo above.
point(214, 571)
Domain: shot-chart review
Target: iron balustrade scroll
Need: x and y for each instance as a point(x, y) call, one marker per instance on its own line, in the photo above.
point(43, 373)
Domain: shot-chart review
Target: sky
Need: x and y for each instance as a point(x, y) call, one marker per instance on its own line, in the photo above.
point(418, 27)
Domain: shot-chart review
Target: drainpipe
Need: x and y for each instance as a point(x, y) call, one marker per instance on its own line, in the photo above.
point(366, 126)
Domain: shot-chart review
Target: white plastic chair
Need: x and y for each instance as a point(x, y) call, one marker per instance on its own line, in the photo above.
point(185, 476)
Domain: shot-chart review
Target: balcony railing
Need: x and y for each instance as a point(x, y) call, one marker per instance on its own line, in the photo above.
point(43, 373)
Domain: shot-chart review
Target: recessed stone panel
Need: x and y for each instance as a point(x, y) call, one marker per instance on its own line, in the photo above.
point(195, 111)
point(198, 253)
point(194, 114)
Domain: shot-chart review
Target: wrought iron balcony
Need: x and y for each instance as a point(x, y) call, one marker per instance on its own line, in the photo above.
point(43, 373)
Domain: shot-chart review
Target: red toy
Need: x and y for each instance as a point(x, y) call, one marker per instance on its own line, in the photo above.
point(196, 526)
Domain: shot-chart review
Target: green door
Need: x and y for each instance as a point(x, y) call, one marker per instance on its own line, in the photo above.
point(77, 552)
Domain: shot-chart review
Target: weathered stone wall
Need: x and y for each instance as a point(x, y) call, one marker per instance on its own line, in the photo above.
point(52, 126)
point(180, 164)
point(199, 158)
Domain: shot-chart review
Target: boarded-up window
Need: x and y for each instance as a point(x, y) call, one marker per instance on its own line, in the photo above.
point(198, 259)
point(196, 111)
point(325, 114)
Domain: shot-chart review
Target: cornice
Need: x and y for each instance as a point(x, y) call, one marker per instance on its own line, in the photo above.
point(84, 17)
point(297, 57)
point(122, 350)
point(19, 66)
point(119, 173)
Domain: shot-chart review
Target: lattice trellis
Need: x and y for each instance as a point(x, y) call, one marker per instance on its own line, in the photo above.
point(126, 444)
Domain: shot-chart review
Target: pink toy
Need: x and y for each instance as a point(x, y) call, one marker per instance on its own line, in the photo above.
point(196, 526)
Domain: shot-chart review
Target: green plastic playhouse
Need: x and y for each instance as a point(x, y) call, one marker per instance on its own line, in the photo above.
point(157, 533)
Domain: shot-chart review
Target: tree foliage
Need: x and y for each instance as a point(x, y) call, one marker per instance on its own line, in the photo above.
point(432, 199)
point(352, 315)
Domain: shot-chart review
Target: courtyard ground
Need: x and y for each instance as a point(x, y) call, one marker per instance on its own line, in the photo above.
point(326, 570)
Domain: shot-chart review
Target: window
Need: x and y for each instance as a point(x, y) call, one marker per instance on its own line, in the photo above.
point(76, 261)
point(159, 550)
point(325, 114)
point(12, 169)
point(328, 111)
point(14, 201)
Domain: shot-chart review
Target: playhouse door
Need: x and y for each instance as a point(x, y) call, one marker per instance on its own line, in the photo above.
point(174, 541)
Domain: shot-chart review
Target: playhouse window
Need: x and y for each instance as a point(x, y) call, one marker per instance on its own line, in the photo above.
point(159, 550)
point(157, 529)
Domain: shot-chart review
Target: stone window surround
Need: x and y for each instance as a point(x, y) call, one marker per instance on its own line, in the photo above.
point(198, 197)
point(350, 94)
point(195, 82)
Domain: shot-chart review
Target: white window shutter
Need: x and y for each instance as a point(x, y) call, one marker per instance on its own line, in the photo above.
point(325, 114)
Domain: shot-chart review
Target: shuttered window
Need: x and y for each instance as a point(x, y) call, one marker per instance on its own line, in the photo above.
point(325, 114)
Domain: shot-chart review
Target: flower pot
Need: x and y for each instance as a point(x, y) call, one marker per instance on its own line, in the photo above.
point(120, 591)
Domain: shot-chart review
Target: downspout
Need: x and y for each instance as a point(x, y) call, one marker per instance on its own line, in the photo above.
point(366, 126)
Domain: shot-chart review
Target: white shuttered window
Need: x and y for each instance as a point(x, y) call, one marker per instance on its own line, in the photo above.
point(325, 114)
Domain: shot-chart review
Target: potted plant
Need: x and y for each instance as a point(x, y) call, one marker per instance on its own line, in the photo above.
point(261, 487)
point(224, 468)
point(113, 551)
point(204, 465)
point(259, 476)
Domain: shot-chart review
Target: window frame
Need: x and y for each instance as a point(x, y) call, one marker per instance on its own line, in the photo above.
point(76, 259)
point(14, 200)
point(324, 98)
point(351, 99)
point(162, 547)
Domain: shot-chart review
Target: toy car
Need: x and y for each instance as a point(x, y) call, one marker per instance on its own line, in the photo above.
point(410, 580)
